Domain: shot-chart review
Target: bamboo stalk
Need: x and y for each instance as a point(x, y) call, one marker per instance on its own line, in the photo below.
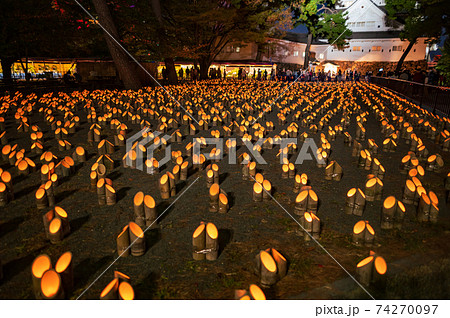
point(138, 205)
point(212, 242)
point(110, 195)
point(364, 270)
point(55, 231)
point(199, 242)
point(151, 214)
point(65, 270)
point(41, 199)
point(268, 269)
point(409, 192)
point(214, 191)
point(223, 203)
point(137, 239)
point(110, 291)
point(423, 210)
point(388, 212)
point(184, 170)
point(61, 214)
point(257, 192)
point(164, 187)
point(123, 242)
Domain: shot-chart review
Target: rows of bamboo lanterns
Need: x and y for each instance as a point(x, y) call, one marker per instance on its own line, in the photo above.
point(371, 269)
point(205, 242)
point(49, 282)
point(6, 188)
point(118, 289)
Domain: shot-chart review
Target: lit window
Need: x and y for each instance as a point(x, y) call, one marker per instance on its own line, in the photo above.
point(360, 24)
point(295, 53)
point(397, 48)
point(303, 54)
point(238, 49)
point(356, 48)
point(321, 56)
point(376, 48)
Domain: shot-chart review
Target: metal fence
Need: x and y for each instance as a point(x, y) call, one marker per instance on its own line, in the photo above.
point(433, 98)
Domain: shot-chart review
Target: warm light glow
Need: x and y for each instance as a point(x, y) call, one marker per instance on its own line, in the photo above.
point(55, 225)
point(126, 292)
point(214, 189)
point(212, 231)
point(60, 211)
point(268, 262)
point(149, 201)
point(351, 192)
point(359, 227)
point(136, 230)
point(365, 261)
point(257, 188)
point(63, 262)
point(199, 230)
point(41, 264)
point(112, 285)
point(50, 283)
point(257, 293)
point(223, 199)
point(389, 202)
point(313, 195)
point(380, 265)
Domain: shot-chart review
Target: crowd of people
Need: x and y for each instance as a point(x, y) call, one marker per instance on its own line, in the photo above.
point(430, 77)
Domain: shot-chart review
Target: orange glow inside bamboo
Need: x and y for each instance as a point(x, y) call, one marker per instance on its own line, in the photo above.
point(164, 179)
point(268, 262)
point(257, 188)
point(370, 183)
point(365, 261)
point(212, 231)
point(433, 198)
point(359, 227)
point(136, 230)
point(149, 201)
point(301, 196)
point(308, 217)
point(380, 265)
point(61, 212)
point(126, 292)
point(6, 177)
point(112, 285)
point(259, 178)
point(370, 229)
point(50, 283)
point(138, 198)
point(41, 264)
point(63, 262)
point(257, 293)
point(101, 183)
point(214, 189)
point(351, 192)
point(40, 193)
point(199, 230)
point(313, 195)
point(55, 225)
point(389, 202)
point(223, 198)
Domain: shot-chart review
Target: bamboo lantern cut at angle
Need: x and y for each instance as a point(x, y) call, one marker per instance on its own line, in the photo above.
point(137, 239)
point(199, 242)
point(371, 269)
point(310, 226)
point(110, 291)
point(214, 191)
point(40, 265)
point(212, 242)
point(123, 242)
point(257, 192)
point(164, 187)
point(333, 171)
point(139, 214)
point(409, 192)
point(355, 202)
point(65, 270)
point(223, 203)
point(306, 200)
point(253, 293)
point(374, 189)
point(363, 233)
point(125, 291)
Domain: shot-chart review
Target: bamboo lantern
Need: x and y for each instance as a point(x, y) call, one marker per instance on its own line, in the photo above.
point(65, 270)
point(164, 187)
point(184, 170)
point(223, 203)
point(51, 285)
point(209, 178)
point(3, 194)
point(214, 191)
point(94, 179)
point(356, 148)
point(61, 214)
point(110, 195)
point(285, 171)
point(355, 202)
point(150, 211)
point(306, 200)
point(110, 291)
point(392, 213)
point(310, 225)
point(139, 214)
point(300, 181)
point(199, 242)
point(41, 199)
point(137, 239)
point(435, 163)
point(267, 190)
point(370, 269)
point(409, 192)
point(123, 242)
point(212, 242)
point(55, 231)
point(374, 189)
point(333, 171)
point(268, 269)
point(257, 192)
point(40, 265)
point(101, 191)
point(363, 233)
point(49, 191)
point(6, 179)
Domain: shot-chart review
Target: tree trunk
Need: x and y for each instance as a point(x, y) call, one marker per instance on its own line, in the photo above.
point(171, 72)
point(403, 57)
point(204, 68)
point(308, 47)
point(258, 53)
point(123, 64)
point(7, 63)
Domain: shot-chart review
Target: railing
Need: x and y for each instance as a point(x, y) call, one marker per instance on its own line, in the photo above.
point(433, 98)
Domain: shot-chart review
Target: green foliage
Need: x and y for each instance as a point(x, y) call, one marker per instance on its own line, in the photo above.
point(444, 62)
